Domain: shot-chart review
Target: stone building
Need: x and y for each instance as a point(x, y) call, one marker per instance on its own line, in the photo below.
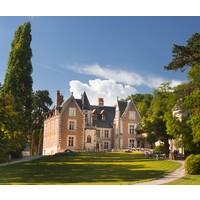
point(77, 125)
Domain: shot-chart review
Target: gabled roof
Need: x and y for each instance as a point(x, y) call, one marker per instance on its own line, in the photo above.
point(85, 102)
point(122, 106)
point(129, 104)
point(71, 98)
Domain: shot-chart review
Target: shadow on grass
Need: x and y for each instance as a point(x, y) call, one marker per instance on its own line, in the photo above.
point(95, 157)
point(76, 173)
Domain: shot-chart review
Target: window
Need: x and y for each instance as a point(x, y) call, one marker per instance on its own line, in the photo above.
point(71, 141)
point(86, 119)
point(89, 139)
point(131, 129)
point(105, 145)
point(106, 133)
point(132, 115)
point(72, 112)
point(98, 133)
point(71, 125)
point(131, 143)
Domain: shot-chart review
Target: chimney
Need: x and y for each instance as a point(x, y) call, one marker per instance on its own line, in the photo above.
point(59, 98)
point(101, 102)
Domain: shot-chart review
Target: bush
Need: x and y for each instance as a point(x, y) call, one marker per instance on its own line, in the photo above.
point(192, 164)
point(160, 149)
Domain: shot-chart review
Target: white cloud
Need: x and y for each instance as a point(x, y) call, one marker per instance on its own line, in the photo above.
point(121, 76)
point(175, 83)
point(113, 83)
point(108, 89)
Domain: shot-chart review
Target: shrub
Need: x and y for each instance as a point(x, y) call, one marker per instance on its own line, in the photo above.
point(192, 164)
point(160, 148)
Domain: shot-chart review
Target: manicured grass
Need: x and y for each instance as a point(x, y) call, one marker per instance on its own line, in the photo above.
point(187, 180)
point(87, 168)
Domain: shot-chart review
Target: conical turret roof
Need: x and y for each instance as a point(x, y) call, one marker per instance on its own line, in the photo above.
point(85, 102)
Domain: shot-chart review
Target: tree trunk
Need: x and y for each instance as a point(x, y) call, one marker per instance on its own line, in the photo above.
point(32, 144)
point(166, 146)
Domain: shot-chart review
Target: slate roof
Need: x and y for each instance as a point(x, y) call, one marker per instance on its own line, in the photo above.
point(79, 102)
point(122, 106)
point(109, 116)
point(85, 102)
point(109, 111)
point(102, 124)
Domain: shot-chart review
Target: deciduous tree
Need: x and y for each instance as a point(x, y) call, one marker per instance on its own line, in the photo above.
point(41, 104)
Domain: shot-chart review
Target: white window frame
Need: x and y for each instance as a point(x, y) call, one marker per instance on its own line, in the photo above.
point(129, 129)
point(72, 112)
point(68, 124)
point(106, 132)
point(132, 115)
point(74, 140)
point(107, 146)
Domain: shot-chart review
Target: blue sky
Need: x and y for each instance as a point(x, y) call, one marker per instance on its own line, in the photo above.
point(106, 56)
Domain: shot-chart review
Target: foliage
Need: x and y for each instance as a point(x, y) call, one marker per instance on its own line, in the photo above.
point(160, 148)
point(11, 139)
point(16, 94)
point(192, 164)
point(188, 94)
point(18, 80)
point(21, 110)
point(155, 121)
point(41, 104)
point(188, 55)
point(142, 101)
point(152, 138)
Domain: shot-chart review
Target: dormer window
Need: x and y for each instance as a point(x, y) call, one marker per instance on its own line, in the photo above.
point(103, 116)
point(94, 114)
point(94, 117)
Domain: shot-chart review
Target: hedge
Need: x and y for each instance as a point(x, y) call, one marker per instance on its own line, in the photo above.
point(192, 164)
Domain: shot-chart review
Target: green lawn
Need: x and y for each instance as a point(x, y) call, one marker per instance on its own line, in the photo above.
point(87, 168)
point(187, 180)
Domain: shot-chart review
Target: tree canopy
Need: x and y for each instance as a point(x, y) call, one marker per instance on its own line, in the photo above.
point(187, 95)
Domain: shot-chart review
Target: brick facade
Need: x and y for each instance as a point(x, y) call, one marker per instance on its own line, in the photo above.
point(77, 125)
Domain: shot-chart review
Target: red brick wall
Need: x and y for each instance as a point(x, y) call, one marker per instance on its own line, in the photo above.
point(64, 127)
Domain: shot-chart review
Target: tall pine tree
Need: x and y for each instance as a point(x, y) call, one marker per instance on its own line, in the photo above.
point(188, 57)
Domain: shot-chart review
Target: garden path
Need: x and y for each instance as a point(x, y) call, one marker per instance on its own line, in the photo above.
point(178, 173)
